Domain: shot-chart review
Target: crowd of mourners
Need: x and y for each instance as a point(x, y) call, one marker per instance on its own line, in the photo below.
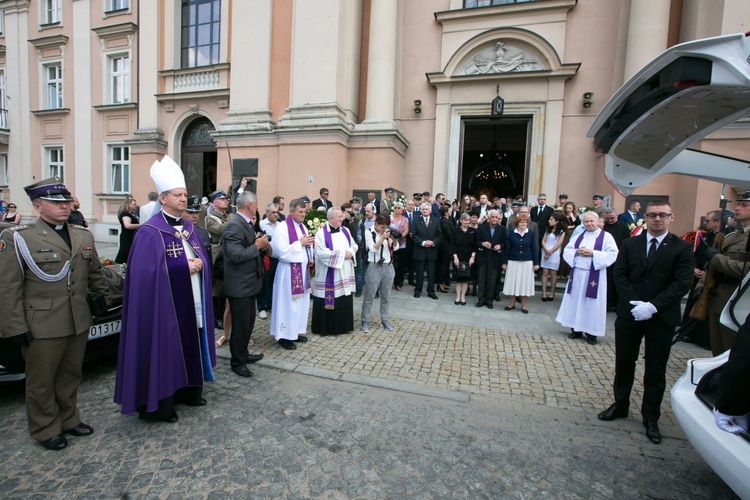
point(201, 267)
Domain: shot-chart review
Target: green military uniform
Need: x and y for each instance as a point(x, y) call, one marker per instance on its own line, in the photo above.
point(730, 267)
point(45, 284)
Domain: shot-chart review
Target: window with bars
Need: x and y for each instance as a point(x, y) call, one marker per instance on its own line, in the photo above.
point(51, 11)
point(54, 85)
point(119, 166)
point(119, 79)
point(201, 23)
point(55, 163)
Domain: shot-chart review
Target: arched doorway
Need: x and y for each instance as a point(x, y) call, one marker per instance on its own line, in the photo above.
point(199, 157)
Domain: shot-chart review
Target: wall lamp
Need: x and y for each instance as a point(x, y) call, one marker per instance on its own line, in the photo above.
point(417, 106)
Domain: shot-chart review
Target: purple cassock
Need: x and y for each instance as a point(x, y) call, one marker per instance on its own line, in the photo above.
point(161, 348)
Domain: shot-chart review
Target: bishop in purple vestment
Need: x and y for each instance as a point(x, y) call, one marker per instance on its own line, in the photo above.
point(166, 345)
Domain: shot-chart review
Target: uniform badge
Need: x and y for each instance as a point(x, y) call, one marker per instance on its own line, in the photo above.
point(2, 245)
point(45, 268)
point(88, 248)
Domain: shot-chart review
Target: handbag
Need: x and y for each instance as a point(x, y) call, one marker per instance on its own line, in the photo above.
point(463, 270)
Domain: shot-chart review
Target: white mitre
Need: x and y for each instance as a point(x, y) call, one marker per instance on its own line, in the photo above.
point(167, 175)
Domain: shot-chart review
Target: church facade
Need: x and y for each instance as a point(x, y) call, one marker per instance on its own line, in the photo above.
point(451, 96)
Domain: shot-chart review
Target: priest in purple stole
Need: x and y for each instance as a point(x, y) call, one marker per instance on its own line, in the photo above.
point(166, 348)
point(584, 304)
point(334, 284)
point(292, 245)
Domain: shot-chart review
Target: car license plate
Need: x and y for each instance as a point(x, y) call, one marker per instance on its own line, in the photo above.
point(104, 329)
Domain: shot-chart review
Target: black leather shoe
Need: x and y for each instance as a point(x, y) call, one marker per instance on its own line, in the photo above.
point(575, 335)
point(652, 431)
point(301, 339)
point(55, 442)
point(287, 344)
point(432, 296)
point(591, 339)
point(497, 297)
point(490, 306)
point(357, 294)
point(612, 413)
point(171, 419)
point(417, 294)
point(202, 402)
point(80, 430)
point(242, 371)
point(479, 304)
point(253, 358)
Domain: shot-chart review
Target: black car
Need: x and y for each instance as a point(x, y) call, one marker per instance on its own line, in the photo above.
point(104, 335)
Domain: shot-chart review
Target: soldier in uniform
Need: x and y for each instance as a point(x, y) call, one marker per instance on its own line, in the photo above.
point(47, 267)
point(215, 225)
point(728, 268)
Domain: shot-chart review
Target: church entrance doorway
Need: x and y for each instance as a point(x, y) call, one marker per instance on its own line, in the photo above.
point(494, 156)
point(199, 158)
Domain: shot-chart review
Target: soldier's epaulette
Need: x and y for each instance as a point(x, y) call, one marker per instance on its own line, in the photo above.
point(19, 227)
point(77, 226)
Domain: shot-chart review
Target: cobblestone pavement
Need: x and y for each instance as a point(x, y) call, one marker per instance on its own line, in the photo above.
point(455, 402)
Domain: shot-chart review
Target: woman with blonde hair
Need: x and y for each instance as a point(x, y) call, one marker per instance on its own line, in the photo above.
point(128, 224)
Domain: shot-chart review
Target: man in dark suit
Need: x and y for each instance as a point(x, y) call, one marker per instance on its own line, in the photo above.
point(425, 233)
point(632, 214)
point(652, 273)
point(542, 212)
point(620, 233)
point(322, 201)
point(490, 241)
point(243, 277)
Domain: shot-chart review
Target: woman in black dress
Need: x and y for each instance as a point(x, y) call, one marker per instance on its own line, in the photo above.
point(444, 249)
point(463, 248)
point(128, 225)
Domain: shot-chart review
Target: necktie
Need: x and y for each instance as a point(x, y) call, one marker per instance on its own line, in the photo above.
point(427, 221)
point(492, 232)
point(652, 249)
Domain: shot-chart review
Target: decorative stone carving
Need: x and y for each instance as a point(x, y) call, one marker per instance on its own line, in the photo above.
point(194, 108)
point(501, 58)
point(169, 107)
point(223, 103)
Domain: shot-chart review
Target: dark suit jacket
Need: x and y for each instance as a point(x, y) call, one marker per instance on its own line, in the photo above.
point(484, 255)
point(419, 233)
point(543, 218)
point(243, 262)
point(663, 282)
point(321, 203)
point(626, 219)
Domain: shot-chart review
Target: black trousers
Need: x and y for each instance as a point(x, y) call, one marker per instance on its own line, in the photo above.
point(628, 336)
point(486, 281)
point(734, 383)
point(407, 263)
point(419, 266)
point(243, 322)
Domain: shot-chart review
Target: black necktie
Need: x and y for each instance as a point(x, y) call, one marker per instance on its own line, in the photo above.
point(652, 249)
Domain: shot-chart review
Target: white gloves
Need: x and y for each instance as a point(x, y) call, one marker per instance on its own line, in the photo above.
point(642, 310)
point(731, 424)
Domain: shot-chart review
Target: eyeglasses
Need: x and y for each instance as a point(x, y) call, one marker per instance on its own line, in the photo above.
point(273, 213)
point(661, 216)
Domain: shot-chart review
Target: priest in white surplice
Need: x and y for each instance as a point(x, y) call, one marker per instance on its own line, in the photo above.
point(334, 284)
point(291, 290)
point(584, 303)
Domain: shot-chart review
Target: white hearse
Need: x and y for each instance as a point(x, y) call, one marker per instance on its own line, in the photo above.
point(646, 130)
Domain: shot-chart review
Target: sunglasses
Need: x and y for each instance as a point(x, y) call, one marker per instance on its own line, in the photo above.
point(11, 206)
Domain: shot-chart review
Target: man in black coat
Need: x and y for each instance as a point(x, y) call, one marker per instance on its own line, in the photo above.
point(490, 242)
point(243, 253)
point(620, 233)
point(322, 202)
point(426, 235)
point(542, 212)
point(653, 271)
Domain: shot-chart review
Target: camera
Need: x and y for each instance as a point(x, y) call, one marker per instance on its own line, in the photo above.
point(397, 235)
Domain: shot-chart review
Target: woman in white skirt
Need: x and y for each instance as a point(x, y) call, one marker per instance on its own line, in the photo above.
point(552, 241)
point(520, 262)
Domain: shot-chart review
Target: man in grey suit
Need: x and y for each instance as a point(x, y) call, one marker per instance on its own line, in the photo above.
point(243, 277)
point(426, 235)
